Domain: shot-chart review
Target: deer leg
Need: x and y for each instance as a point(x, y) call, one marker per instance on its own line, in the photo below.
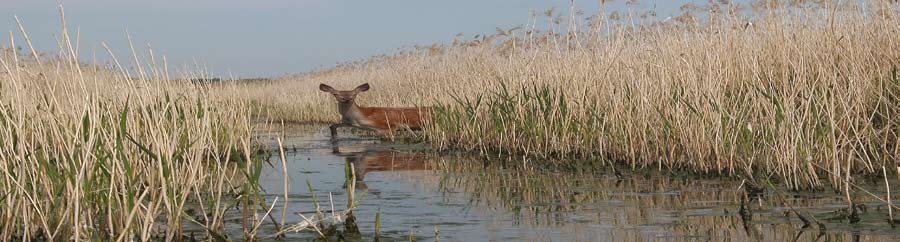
point(334, 128)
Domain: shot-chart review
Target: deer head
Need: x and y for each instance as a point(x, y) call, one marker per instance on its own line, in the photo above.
point(344, 96)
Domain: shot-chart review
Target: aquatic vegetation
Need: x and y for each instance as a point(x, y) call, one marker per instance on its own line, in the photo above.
point(801, 92)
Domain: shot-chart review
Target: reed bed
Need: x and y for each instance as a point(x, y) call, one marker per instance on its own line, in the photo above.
point(803, 92)
point(93, 152)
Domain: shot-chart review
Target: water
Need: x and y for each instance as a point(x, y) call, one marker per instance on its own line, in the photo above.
point(468, 199)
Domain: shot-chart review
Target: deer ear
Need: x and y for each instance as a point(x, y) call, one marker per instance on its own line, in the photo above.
point(326, 88)
point(362, 88)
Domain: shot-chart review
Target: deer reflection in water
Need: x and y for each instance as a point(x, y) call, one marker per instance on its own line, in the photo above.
point(377, 160)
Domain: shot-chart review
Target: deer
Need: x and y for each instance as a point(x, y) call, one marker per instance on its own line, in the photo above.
point(384, 120)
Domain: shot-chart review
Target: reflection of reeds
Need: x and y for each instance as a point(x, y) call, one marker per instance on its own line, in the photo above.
point(787, 91)
point(108, 153)
point(641, 206)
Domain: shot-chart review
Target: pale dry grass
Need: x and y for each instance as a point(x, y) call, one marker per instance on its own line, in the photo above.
point(803, 94)
point(111, 153)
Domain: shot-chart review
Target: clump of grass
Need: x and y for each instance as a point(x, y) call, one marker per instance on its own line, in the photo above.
point(107, 153)
point(804, 93)
point(534, 121)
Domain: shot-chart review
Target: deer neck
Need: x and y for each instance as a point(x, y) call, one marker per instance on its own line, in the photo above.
point(349, 112)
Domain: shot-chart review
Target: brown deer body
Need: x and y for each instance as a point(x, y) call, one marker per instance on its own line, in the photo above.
point(381, 119)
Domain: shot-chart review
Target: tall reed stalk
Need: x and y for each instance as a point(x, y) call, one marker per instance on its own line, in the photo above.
point(110, 153)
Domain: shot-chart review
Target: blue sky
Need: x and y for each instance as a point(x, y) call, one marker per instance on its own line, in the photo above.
point(263, 38)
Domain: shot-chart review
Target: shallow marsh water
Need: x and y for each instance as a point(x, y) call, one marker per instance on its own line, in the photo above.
point(469, 199)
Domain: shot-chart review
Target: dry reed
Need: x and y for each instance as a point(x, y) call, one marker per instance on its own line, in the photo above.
point(806, 93)
point(109, 153)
